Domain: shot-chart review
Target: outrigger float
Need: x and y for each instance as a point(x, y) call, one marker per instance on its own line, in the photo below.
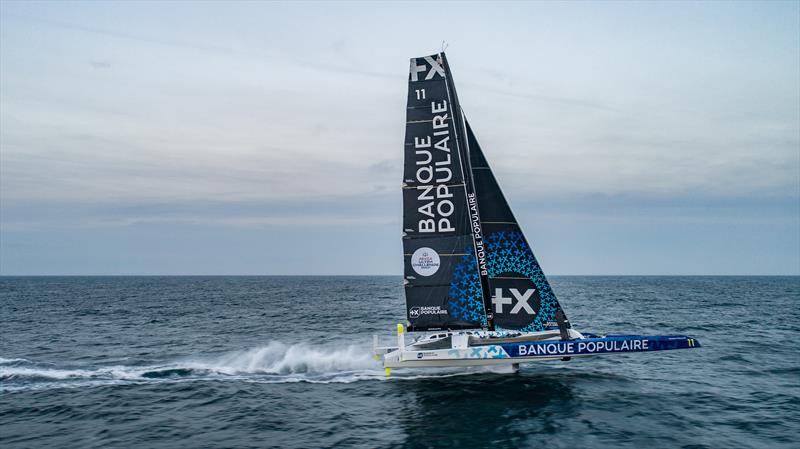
point(470, 275)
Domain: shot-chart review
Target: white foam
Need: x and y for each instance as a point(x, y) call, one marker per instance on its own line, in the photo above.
point(280, 362)
point(12, 373)
point(283, 359)
point(4, 361)
point(112, 372)
point(275, 362)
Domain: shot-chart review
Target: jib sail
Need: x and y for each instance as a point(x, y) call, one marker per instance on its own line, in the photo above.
point(521, 296)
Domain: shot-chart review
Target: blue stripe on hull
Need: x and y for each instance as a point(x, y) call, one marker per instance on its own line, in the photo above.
point(609, 344)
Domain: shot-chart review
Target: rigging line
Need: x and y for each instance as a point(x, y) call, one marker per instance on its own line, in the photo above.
point(426, 121)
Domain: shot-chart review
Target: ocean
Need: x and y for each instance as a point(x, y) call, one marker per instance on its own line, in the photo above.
point(284, 362)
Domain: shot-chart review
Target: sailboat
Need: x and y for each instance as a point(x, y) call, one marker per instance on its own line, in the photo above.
point(473, 288)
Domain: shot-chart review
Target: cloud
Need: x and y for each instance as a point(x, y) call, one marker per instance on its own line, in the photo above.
point(239, 121)
point(50, 23)
point(100, 64)
point(116, 116)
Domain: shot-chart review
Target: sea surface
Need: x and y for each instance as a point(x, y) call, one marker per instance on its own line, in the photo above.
point(284, 362)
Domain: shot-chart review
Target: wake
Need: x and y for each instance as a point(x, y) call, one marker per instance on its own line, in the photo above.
point(275, 362)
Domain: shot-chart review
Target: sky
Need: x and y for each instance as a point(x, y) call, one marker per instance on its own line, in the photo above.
point(267, 138)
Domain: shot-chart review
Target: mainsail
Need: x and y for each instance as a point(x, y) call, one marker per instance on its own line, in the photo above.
point(467, 263)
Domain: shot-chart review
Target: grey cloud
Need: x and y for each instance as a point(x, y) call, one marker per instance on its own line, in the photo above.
point(98, 64)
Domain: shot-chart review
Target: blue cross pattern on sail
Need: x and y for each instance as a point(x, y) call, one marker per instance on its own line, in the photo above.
point(507, 252)
point(466, 302)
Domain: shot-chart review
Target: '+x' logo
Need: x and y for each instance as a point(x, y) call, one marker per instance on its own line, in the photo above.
point(522, 300)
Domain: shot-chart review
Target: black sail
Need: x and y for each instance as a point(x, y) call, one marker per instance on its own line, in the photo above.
point(443, 282)
point(521, 295)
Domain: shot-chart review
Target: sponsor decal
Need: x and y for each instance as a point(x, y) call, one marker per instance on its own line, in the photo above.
point(428, 66)
point(419, 355)
point(435, 169)
point(416, 312)
point(516, 300)
point(477, 233)
point(499, 300)
point(425, 261)
point(579, 347)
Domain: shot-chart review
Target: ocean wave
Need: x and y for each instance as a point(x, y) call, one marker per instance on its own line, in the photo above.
point(5, 361)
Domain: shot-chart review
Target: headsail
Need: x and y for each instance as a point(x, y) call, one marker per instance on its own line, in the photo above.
point(521, 296)
point(467, 263)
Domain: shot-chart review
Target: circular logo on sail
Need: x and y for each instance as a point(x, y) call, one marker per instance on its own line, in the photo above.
point(425, 262)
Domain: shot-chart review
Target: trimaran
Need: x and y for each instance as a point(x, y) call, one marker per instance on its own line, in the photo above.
point(470, 275)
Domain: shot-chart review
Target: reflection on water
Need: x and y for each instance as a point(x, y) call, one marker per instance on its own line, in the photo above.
point(505, 407)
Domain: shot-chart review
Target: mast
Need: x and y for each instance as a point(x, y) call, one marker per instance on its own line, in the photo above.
point(472, 197)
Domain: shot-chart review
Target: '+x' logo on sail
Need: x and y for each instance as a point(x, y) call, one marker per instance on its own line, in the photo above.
point(522, 300)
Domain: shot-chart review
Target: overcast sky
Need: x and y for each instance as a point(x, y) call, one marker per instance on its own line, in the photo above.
point(267, 138)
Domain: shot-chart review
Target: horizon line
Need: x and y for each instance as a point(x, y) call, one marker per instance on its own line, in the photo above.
point(381, 275)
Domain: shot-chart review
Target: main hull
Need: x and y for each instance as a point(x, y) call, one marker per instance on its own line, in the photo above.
point(527, 351)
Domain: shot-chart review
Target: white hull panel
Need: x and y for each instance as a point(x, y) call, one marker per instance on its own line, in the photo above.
point(511, 353)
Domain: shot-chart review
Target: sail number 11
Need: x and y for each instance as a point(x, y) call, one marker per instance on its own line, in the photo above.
point(420, 94)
